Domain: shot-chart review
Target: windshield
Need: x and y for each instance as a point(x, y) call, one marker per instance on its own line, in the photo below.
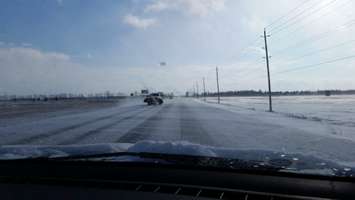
point(220, 78)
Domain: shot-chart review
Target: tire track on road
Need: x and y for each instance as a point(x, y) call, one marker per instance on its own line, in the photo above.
point(192, 129)
point(101, 128)
point(64, 129)
point(139, 132)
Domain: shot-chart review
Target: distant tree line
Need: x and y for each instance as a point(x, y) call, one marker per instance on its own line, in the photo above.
point(281, 93)
point(62, 96)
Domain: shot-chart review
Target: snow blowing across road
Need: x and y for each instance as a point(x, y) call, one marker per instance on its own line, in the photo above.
point(185, 120)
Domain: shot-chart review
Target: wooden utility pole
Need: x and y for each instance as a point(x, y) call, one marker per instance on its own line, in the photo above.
point(198, 90)
point(268, 69)
point(219, 98)
point(194, 90)
point(204, 88)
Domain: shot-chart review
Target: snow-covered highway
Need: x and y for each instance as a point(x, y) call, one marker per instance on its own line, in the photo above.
point(180, 119)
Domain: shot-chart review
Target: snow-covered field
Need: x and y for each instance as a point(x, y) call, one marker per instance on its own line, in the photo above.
point(338, 110)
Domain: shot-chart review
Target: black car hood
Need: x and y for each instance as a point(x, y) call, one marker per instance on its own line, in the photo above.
point(296, 163)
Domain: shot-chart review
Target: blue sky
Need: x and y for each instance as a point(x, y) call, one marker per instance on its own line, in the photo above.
point(51, 46)
point(75, 28)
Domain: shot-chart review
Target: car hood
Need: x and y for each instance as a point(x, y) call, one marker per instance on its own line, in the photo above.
point(295, 163)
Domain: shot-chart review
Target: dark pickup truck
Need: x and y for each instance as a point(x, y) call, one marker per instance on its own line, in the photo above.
point(154, 99)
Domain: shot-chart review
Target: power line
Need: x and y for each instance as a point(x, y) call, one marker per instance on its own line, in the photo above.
point(316, 19)
point(281, 28)
point(322, 50)
point(288, 13)
point(317, 37)
point(295, 16)
point(248, 71)
point(296, 21)
point(315, 65)
point(243, 51)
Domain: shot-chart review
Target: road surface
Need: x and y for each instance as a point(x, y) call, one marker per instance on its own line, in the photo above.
point(176, 120)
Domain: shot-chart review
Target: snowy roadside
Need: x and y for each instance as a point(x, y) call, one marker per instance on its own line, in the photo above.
point(310, 124)
point(336, 110)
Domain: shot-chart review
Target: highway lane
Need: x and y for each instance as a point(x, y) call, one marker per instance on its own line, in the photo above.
point(176, 120)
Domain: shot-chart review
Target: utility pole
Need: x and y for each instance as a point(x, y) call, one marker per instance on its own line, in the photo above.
point(204, 88)
point(198, 91)
point(194, 90)
point(268, 69)
point(219, 98)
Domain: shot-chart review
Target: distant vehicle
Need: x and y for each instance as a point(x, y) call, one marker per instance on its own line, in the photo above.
point(154, 99)
point(144, 92)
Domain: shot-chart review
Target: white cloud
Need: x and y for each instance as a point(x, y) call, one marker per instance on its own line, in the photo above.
point(2, 43)
point(31, 71)
point(193, 7)
point(158, 6)
point(60, 2)
point(137, 22)
point(25, 44)
point(27, 70)
point(254, 24)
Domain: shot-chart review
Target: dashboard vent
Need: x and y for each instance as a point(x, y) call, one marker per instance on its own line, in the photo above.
point(210, 193)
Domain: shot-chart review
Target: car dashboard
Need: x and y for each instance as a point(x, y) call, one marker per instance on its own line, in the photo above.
point(103, 180)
